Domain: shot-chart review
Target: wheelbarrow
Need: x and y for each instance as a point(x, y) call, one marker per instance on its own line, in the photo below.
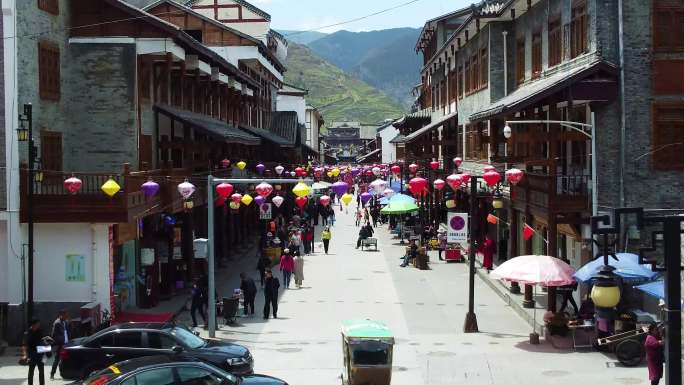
point(628, 346)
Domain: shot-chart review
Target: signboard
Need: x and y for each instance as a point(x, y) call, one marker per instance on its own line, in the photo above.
point(457, 228)
point(266, 211)
point(147, 257)
point(75, 268)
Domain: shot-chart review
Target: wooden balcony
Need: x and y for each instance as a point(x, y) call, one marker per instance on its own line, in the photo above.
point(52, 203)
point(552, 193)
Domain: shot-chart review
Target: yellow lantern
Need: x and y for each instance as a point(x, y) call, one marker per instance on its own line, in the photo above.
point(241, 165)
point(346, 198)
point(246, 199)
point(301, 189)
point(329, 174)
point(234, 205)
point(335, 172)
point(110, 187)
point(450, 204)
point(607, 296)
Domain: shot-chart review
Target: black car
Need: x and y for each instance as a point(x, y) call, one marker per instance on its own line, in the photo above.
point(82, 356)
point(171, 370)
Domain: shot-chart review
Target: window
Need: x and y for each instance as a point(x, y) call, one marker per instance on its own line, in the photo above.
point(578, 30)
point(474, 70)
point(520, 61)
point(459, 81)
point(161, 376)
point(668, 26)
point(198, 376)
point(536, 55)
point(50, 6)
point(51, 150)
point(370, 353)
point(160, 341)
point(48, 70)
point(128, 339)
point(467, 76)
point(484, 68)
point(555, 43)
point(106, 340)
point(668, 137)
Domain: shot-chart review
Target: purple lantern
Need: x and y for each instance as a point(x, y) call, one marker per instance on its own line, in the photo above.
point(340, 187)
point(150, 188)
point(260, 168)
point(259, 200)
point(355, 172)
point(365, 197)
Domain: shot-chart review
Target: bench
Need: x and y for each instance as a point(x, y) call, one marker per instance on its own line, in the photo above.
point(368, 242)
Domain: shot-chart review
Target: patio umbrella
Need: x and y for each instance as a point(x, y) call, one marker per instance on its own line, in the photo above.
point(535, 270)
point(399, 207)
point(320, 185)
point(654, 289)
point(626, 266)
point(402, 197)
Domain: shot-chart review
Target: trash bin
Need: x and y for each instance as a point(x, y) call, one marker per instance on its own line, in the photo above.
point(230, 308)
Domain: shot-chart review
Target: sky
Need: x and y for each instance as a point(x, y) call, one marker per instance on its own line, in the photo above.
point(313, 14)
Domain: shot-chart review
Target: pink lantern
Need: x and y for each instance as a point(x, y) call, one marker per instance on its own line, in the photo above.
point(388, 192)
point(418, 186)
point(325, 200)
point(378, 185)
point(301, 202)
point(376, 170)
point(278, 200)
point(514, 176)
point(434, 165)
point(491, 177)
point(73, 184)
point(395, 169)
point(489, 167)
point(457, 161)
point(264, 189)
point(369, 172)
point(224, 190)
point(293, 173)
point(438, 184)
point(454, 181)
point(465, 178)
point(279, 169)
point(225, 163)
point(318, 172)
point(186, 189)
point(413, 168)
point(236, 198)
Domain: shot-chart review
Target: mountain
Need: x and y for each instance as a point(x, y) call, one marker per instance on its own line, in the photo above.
point(384, 59)
point(336, 94)
point(301, 37)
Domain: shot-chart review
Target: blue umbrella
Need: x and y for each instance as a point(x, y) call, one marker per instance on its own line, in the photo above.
point(627, 266)
point(395, 185)
point(402, 197)
point(654, 289)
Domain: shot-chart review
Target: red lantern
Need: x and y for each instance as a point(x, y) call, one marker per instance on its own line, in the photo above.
point(318, 172)
point(72, 185)
point(325, 200)
point(434, 165)
point(514, 176)
point(264, 189)
point(395, 169)
point(369, 172)
point(301, 202)
point(489, 168)
point(413, 168)
point(418, 186)
point(225, 163)
point(457, 161)
point(491, 177)
point(224, 190)
point(454, 181)
point(299, 171)
point(465, 178)
point(236, 198)
point(438, 184)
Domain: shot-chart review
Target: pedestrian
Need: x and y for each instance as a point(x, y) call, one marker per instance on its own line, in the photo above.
point(197, 303)
point(271, 294)
point(441, 243)
point(295, 241)
point(60, 335)
point(299, 270)
point(263, 264)
point(286, 266)
point(359, 215)
point(308, 239)
point(566, 292)
point(331, 215)
point(325, 236)
point(249, 291)
point(488, 248)
point(33, 340)
point(375, 214)
point(654, 354)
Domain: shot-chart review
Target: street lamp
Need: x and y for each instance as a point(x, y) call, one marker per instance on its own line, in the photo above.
point(25, 134)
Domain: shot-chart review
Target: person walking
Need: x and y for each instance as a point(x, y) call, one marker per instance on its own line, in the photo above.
point(359, 216)
point(60, 335)
point(33, 338)
point(441, 243)
point(271, 286)
point(299, 270)
point(331, 215)
point(197, 304)
point(263, 264)
point(488, 249)
point(249, 291)
point(654, 354)
point(326, 235)
point(286, 267)
point(308, 235)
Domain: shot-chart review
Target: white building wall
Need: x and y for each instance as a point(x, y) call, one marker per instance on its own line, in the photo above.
point(4, 269)
point(292, 103)
point(236, 53)
point(389, 150)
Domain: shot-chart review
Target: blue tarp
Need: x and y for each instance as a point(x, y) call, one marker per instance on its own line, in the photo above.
point(627, 266)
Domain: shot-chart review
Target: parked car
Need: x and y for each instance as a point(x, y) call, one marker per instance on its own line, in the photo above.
point(82, 356)
point(171, 370)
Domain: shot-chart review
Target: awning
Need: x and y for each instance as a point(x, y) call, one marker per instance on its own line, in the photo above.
point(369, 155)
point(210, 126)
point(414, 119)
point(268, 136)
point(416, 134)
point(577, 80)
point(309, 148)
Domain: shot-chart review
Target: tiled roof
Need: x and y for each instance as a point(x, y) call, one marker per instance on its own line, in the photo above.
point(213, 127)
point(416, 134)
point(269, 136)
point(368, 156)
point(398, 139)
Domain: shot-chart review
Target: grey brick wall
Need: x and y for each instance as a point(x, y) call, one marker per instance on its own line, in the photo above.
point(3, 185)
point(473, 102)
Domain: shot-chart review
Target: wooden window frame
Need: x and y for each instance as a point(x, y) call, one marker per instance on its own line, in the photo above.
point(555, 37)
point(49, 71)
point(49, 6)
point(460, 81)
point(579, 25)
point(474, 73)
point(666, 18)
point(536, 54)
point(51, 158)
point(664, 158)
point(466, 76)
point(484, 67)
point(520, 61)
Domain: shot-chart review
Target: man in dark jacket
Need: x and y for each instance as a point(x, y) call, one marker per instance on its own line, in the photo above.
point(197, 304)
point(263, 264)
point(34, 338)
point(249, 291)
point(271, 287)
point(61, 335)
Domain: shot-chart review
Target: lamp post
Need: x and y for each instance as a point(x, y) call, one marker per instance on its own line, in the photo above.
point(25, 134)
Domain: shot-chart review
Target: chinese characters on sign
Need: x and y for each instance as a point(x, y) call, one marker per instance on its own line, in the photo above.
point(457, 231)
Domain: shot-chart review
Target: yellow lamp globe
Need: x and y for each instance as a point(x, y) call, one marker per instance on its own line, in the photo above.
point(234, 205)
point(497, 203)
point(241, 165)
point(605, 295)
point(450, 204)
point(346, 198)
point(110, 187)
point(301, 189)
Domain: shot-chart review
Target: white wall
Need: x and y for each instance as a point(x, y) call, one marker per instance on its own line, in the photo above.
point(389, 151)
point(292, 103)
point(236, 53)
point(4, 269)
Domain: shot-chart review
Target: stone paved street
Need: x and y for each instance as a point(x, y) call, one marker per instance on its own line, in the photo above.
point(425, 309)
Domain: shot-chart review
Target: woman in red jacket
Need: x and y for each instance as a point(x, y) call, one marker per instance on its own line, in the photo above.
point(287, 267)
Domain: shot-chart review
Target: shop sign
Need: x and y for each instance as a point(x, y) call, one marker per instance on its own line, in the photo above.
point(457, 228)
point(147, 257)
point(75, 268)
point(266, 211)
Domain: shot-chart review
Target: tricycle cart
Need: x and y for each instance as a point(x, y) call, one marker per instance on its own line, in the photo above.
point(367, 349)
point(628, 346)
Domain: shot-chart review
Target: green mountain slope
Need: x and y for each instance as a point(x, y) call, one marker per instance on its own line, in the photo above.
point(338, 95)
point(300, 37)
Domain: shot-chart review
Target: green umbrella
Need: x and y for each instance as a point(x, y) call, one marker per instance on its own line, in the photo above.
point(399, 207)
